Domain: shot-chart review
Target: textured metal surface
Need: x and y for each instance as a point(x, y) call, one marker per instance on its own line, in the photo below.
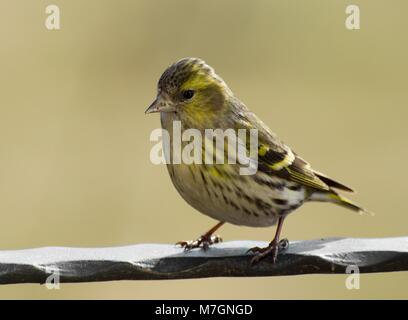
point(229, 259)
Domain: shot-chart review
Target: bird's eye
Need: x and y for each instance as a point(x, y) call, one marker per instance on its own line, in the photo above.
point(188, 94)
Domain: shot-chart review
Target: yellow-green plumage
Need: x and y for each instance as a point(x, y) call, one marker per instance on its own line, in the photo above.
point(283, 182)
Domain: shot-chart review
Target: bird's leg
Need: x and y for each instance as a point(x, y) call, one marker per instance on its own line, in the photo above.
point(273, 247)
point(205, 240)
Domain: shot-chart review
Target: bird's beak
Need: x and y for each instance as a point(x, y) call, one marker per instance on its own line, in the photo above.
point(161, 104)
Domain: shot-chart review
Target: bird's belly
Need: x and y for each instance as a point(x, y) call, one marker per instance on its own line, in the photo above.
point(239, 200)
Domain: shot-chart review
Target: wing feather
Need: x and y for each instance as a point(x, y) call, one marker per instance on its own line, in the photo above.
point(276, 158)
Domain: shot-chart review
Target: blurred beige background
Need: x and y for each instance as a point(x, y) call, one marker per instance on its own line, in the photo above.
point(74, 142)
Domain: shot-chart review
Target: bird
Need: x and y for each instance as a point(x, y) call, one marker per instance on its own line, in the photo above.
point(189, 91)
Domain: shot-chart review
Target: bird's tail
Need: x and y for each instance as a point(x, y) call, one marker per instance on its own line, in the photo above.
point(338, 199)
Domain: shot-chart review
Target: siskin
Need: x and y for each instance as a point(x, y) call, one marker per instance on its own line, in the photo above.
point(189, 91)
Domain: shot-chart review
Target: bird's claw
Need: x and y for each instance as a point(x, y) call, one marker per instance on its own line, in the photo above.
point(202, 242)
point(283, 244)
point(272, 249)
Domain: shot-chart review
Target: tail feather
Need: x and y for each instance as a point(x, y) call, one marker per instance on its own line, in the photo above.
point(338, 199)
point(344, 202)
point(333, 183)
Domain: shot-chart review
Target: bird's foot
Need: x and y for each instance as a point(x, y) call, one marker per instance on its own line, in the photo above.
point(272, 249)
point(202, 242)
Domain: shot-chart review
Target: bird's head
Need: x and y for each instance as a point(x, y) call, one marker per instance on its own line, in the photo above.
point(191, 88)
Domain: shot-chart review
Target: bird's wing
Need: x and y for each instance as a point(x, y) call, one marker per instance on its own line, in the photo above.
point(276, 158)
